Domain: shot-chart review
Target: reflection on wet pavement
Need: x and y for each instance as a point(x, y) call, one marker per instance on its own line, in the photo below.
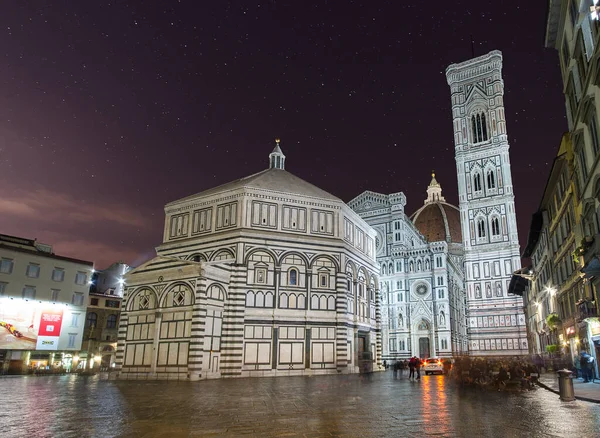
point(354, 406)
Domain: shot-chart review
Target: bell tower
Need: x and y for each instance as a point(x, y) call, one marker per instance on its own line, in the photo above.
point(496, 322)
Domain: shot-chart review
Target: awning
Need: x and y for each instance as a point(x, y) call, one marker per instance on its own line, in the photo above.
point(592, 268)
point(518, 283)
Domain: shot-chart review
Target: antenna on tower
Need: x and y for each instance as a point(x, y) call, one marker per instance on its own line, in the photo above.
point(472, 47)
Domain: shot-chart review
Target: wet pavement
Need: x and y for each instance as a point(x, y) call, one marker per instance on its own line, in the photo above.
point(323, 406)
point(588, 391)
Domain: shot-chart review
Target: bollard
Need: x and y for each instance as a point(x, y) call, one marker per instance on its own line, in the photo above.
point(565, 385)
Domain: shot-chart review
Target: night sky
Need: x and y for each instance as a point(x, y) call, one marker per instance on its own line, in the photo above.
point(109, 110)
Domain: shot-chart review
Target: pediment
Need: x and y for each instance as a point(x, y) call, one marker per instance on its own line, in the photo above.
point(476, 92)
point(369, 201)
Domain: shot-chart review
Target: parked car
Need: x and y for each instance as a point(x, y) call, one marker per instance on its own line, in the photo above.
point(433, 365)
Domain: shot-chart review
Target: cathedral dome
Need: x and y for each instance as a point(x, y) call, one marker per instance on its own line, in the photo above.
point(437, 220)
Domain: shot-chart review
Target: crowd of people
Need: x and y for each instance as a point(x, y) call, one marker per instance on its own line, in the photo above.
point(518, 373)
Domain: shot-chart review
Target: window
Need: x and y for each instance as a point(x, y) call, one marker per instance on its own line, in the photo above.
point(29, 292)
point(58, 274)
point(574, 12)
point(480, 228)
point(77, 299)
point(111, 322)
point(293, 277)
point(441, 294)
point(6, 266)
point(438, 262)
point(323, 279)
point(583, 165)
point(260, 275)
point(72, 338)
point(115, 304)
point(594, 131)
point(74, 319)
point(55, 293)
point(91, 320)
point(495, 227)
point(477, 182)
point(491, 181)
point(80, 278)
point(479, 128)
point(94, 301)
point(3, 288)
point(33, 270)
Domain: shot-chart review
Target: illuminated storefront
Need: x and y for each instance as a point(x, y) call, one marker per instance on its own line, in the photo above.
point(38, 335)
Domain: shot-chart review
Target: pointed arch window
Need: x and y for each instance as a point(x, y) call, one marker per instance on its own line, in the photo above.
point(479, 127)
point(477, 182)
point(480, 228)
point(495, 227)
point(491, 179)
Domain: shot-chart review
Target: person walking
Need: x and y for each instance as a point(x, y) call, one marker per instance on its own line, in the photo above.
point(418, 364)
point(411, 368)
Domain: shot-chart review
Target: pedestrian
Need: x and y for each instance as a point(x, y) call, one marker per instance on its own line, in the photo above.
point(584, 367)
point(396, 366)
point(418, 364)
point(385, 364)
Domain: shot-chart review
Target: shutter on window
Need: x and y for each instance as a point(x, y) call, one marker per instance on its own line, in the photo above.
point(587, 38)
point(577, 82)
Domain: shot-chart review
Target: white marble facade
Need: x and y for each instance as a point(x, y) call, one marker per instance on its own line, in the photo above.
point(265, 276)
point(423, 306)
point(487, 208)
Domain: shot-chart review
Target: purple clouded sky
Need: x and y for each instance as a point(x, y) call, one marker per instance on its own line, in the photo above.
point(110, 110)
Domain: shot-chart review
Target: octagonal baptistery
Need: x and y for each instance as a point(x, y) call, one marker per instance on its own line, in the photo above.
point(267, 275)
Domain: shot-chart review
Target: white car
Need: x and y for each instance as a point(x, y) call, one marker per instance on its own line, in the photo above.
point(433, 365)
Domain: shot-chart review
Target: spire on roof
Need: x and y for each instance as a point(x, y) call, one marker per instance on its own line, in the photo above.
point(434, 191)
point(276, 158)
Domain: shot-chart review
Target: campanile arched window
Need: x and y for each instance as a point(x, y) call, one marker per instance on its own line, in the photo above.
point(479, 127)
point(480, 228)
point(491, 180)
point(477, 182)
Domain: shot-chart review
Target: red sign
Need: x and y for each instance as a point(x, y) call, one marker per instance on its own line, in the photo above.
point(50, 322)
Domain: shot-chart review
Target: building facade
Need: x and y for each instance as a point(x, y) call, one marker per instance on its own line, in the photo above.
point(43, 299)
point(99, 346)
point(572, 29)
point(556, 283)
point(422, 284)
point(486, 200)
point(264, 276)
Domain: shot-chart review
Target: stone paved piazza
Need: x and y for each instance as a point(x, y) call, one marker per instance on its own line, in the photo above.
point(352, 406)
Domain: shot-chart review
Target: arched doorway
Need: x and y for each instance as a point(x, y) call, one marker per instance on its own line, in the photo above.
point(424, 339)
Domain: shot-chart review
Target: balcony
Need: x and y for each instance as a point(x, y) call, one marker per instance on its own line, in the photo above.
point(585, 310)
point(588, 253)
